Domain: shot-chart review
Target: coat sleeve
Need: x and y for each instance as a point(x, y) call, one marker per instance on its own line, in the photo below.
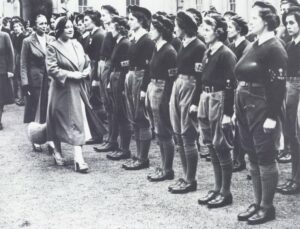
point(53, 69)
point(24, 62)
point(10, 54)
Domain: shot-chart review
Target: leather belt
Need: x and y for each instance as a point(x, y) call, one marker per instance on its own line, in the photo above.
point(249, 84)
point(211, 89)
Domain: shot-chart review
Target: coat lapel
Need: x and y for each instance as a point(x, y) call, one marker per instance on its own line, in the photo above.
point(35, 42)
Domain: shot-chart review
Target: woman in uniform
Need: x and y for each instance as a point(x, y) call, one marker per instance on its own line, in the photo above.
point(261, 74)
point(162, 74)
point(184, 100)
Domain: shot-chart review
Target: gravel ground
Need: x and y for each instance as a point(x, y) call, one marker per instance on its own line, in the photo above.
point(34, 193)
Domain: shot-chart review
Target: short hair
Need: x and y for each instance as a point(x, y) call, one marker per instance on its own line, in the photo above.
point(79, 17)
point(95, 16)
point(60, 26)
point(121, 24)
point(229, 13)
point(111, 10)
point(14, 22)
point(145, 23)
point(240, 25)
point(268, 13)
point(37, 17)
point(6, 20)
point(294, 10)
point(164, 26)
point(219, 24)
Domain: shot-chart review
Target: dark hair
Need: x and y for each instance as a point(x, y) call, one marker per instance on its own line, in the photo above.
point(229, 13)
point(6, 20)
point(219, 24)
point(187, 23)
point(268, 13)
point(121, 24)
point(294, 10)
point(60, 26)
point(164, 26)
point(95, 16)
point(79, 17)
point(240, 25)
point(197, 15)
point(291, 2)
point(110, 9)
point(14, 22)
point(145, 23)
point(38, 16)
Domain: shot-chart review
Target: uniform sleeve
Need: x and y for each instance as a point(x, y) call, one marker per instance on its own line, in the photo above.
point(198, 60)
point(147, 52)
point(24, 62)
point(107, 47)
point(275, 88)
point(10, 54)
point(229, 61)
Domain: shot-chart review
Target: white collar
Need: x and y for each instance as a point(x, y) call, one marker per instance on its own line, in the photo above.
point(186, 41)
point(265, 37)
point(119, 39)
point(239, 41)
point(85, 34)
point(297, 40)
point(215, 47)
point(94, 30)
point(160, 44)
point(139, 33)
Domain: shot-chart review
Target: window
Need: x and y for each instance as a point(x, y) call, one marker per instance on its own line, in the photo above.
point(83, 6)
point(132, 2)
point(232, 5)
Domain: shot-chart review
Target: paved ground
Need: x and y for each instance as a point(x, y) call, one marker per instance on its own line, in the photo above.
point(34, 193)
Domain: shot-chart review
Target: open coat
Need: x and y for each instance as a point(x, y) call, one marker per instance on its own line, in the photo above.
point(65, 117)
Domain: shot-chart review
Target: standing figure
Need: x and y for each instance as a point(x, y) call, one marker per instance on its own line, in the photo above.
point(34, 75)
point(261, 75)
point(162, 74)
point(184, 100)
point(70, 115)
point(136, 84)
point(6, 72)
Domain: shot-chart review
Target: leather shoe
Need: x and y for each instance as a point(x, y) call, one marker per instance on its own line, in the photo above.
point(220, 201)
point(294, 188)
point(262, 215)
point(107, 147)
point(209, 196)
point(237, 167)
point(251, 210)
point(288, 183)
point(118, 155)
point(177, 183)
point(160, 175)
point(284, 157)
point(129, 162)
point(93, 141)
point(37, 148)
point(184, 187)
point(137, 165)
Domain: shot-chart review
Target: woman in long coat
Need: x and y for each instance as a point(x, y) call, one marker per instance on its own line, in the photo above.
point(6, 72)
point(69, 113)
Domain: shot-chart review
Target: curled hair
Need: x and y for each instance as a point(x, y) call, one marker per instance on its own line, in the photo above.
point(292, 11)
point(37, 17)
point(142, 19)
point(110, 9)
point(164, 26)
point(121, 25)
point(240, 24)
point(95, 16)
point(219, 24)
point(268, 14)
point(60, 26)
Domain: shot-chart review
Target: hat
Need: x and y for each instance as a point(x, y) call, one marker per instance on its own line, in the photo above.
point(292, 2)
point(267, 5)
point(187, 21)
point(37, 133)
point(110, 9)
point(164, 25)
point(196, 14)
point(142, 10)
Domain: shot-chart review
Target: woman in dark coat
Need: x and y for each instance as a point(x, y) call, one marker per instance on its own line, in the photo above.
point(6, 72)
point(34, 76)
point(69, 112)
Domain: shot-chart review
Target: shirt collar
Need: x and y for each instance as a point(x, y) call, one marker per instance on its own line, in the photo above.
point(239, 41)
point(215, 47)
point(119, 39)
point(187, 41)
point(297, 40)
point(139, 33)
point(94, 30)
point(160, 44)
point(265, 37)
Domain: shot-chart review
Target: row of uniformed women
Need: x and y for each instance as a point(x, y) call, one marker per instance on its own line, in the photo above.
point(171, 91)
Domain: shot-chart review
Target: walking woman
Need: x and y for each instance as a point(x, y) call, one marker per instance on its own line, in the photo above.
point(261, 74)
point(136, 84)
point(162, 74)
point(34, 77)
point(6, 72)
point(184, 100)
point(291, 20)
point(69, 113)
point(216, 108)
point(119, 63)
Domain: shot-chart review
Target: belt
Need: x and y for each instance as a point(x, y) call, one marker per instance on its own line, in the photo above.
point(249, 84)
point(211, 89)
point(186, 77)
point(158, 81)
point(135, 69)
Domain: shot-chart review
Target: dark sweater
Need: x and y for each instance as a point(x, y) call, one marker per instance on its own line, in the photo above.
point(239, 50)
point(18, 42)
point(176, 43)
point(96, 40)
point(293, 65)
point(118, 57)
point(256, 66)
point(107, 46)
point(140, 54)
point(218, 72)
point(186, 59)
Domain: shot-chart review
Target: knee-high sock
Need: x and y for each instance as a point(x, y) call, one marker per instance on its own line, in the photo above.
point(191, 153)
point(180, 150)
point(162, 153)
point(144, 150)
point(295, 153)
point(226, 166)
point(269, 181)
point(168, 146)
point(217, 169)
point(256, 182)
point(125, 137)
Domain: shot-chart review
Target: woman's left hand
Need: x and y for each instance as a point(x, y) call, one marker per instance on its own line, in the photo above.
point(226, 120)
point(269, 125)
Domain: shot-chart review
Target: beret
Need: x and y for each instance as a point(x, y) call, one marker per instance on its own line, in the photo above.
point(197, 15)
point(187, 21)
point(266, 5)
point(142, 10)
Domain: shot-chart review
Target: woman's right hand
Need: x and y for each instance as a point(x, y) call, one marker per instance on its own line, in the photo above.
point(76, 75)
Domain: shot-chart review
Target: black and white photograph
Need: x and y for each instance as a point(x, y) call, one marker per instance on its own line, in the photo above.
point(150, 114)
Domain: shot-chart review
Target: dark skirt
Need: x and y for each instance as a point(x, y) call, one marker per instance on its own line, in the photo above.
point(6, 90)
